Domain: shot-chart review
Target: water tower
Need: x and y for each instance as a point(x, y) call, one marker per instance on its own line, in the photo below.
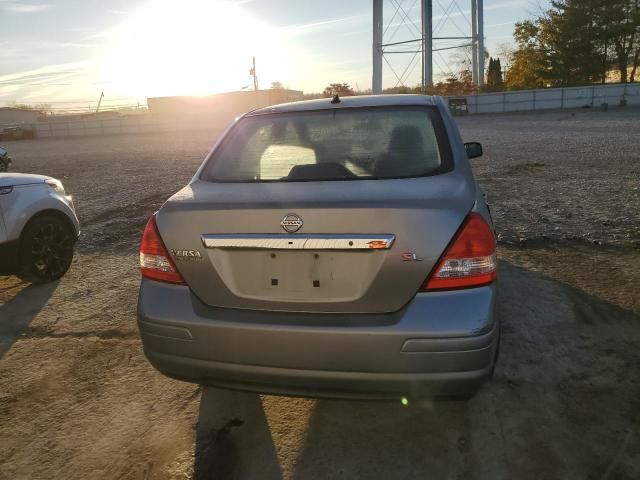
point(470, 34)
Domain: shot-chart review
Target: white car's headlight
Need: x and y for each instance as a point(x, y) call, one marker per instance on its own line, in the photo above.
point(56, 185)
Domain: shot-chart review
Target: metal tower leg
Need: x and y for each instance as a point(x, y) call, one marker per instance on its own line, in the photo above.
point(480, 18)
point(422, 40)
point(427, 43)
point(376, 81)
point(474, 42)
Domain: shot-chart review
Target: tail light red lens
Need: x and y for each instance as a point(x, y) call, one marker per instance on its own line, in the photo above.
point(155, 262)
point(470, 260)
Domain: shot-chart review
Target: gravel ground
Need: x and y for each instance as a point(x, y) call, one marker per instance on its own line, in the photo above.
point(78, 399)
point(567, 177)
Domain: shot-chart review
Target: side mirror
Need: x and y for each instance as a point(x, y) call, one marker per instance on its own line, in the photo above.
point(474, 149)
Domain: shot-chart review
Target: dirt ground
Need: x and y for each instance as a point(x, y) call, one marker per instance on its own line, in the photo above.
point(79, 400)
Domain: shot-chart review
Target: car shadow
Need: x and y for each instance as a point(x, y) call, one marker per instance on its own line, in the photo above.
point(18, 312)
point(382, 440)
point(233, 438)
point(567, 378)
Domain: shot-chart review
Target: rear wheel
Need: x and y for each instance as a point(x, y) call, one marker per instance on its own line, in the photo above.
point(46, 249)
point(3, 166)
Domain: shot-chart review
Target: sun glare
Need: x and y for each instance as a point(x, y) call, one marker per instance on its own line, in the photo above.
point(190, 47)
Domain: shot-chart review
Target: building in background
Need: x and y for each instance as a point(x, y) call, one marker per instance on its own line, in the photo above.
point(15, 116)
point(221, 108)
point(211, 113)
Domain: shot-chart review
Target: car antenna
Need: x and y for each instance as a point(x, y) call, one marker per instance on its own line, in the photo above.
point(335, 99)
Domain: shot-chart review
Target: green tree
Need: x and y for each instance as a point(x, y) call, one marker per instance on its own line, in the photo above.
point(622, 32)
point(576, 42)
point(402, 89)
point(578, 37)
point(341, 89)
point(39, 107)
point(453, 85)
point(527, 64)
point(494, 75)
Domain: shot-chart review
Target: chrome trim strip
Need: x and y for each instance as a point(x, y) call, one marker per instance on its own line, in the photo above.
point(299, 242)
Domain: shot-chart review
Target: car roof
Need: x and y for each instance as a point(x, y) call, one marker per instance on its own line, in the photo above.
point(362, 101)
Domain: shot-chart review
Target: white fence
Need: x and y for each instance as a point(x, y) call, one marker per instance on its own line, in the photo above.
point(513, 101)
point(142, 123)
point(555, 98)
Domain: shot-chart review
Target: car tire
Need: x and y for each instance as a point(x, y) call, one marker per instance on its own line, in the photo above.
point(46, 249)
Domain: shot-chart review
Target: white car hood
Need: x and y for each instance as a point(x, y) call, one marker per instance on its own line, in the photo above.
point(14, 179)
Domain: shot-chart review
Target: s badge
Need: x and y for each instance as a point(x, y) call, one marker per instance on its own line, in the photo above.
point(410, 257)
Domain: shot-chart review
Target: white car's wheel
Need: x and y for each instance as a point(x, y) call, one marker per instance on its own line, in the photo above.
point(46, 249)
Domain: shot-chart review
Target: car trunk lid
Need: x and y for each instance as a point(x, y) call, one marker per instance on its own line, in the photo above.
point(364, 246)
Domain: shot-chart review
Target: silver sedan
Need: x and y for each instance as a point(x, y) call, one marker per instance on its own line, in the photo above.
point(336, 247)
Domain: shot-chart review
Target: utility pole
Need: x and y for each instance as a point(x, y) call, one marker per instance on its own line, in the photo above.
point(253, 73)
point(99, 102)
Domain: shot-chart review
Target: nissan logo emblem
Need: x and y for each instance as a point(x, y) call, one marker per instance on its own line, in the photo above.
point(291, 223)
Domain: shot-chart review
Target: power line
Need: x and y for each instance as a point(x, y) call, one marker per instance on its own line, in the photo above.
point(87, 100)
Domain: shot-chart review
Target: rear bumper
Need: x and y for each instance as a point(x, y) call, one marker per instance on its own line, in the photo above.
point(440, 344)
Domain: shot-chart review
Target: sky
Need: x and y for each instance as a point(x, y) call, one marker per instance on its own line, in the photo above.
point(67, 52)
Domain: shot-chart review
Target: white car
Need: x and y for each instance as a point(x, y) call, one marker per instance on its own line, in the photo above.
point(38, 227)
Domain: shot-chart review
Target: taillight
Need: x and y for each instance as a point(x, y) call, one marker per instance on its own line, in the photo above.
point(155, 262)
point(470, 260)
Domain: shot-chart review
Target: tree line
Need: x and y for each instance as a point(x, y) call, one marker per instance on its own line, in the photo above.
point(577, 42)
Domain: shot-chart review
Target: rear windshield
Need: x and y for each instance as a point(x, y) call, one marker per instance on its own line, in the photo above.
point(340, 144)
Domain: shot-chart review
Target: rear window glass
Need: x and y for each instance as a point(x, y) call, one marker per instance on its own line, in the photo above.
point(340, 144)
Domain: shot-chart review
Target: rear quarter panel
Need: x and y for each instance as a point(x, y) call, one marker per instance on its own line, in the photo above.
point(462, 163)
